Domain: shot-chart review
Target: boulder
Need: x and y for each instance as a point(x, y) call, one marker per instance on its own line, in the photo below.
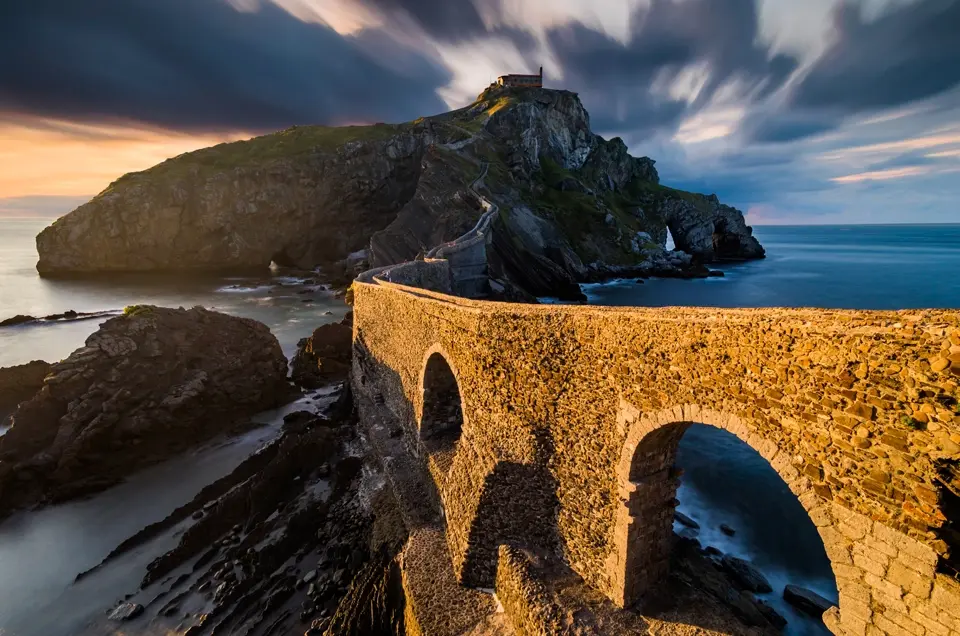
point(126, 612)
point(771, 615)
point(744, 575)
point(324, 357)
point(19, 383)
point(806, 601)
point(683, 519)
point(19, 319)
point(148, 384)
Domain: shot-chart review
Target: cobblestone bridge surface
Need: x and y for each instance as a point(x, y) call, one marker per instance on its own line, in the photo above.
point(557, 427)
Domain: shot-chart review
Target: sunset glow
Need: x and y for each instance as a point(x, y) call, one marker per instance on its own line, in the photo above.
point(48, 157)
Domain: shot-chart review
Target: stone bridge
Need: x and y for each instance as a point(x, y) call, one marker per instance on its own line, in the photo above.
point(556, 427)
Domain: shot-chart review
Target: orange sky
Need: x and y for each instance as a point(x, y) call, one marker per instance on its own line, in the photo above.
point(46, 157)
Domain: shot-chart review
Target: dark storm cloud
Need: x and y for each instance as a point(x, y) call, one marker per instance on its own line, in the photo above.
point(909, 54)
point(443, 19)
point(202, 65)
point(615, 79)
point(454, 20)
point(790, 126)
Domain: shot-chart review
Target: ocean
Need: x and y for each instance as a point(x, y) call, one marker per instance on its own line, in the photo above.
point(291, 306)
point(831, 266)
point(725, 481)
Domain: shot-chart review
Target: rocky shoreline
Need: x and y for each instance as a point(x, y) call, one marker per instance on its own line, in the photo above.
point(565, 206)
point(147, 385)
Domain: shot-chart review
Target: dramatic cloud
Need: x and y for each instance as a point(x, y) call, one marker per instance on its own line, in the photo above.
point(678, 55)
point(445, 20)
point(873, 63)
point(203, 65)
point(52, 157)
point(818, 110)
point(908, 54)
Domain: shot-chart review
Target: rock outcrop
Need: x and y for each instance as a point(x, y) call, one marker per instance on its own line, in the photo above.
point(705, 228)
point(315, 196)
point(806, 600)
point(299, 197)
point(19, 383)
point(745, 575)
point(147, 384)
point(324, 357)
point(299, 538)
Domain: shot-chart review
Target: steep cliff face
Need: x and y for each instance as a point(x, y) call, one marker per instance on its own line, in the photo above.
point(298, 197)
point(571, 206)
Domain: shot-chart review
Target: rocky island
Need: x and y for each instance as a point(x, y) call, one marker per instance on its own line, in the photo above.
point(565, 205)
point(482, 469)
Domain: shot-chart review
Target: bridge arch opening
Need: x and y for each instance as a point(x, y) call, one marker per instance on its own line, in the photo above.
point(730, 507)
point(441, 424)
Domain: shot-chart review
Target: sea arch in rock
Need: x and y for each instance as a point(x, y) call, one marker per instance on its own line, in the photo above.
point(852, 408)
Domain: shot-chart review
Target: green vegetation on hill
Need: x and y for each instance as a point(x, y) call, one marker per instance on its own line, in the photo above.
point(279, 145)
point(582, 216)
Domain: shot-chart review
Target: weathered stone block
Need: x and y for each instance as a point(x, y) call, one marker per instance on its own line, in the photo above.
point(904, 622)
point(869, 565)
point(909, 580)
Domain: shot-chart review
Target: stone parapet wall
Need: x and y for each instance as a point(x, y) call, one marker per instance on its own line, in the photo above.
point(852, 408)
point(467, 256)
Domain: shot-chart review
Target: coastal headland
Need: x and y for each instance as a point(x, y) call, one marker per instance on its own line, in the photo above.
point(455, 457)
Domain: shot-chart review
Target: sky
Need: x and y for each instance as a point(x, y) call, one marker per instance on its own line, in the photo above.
point(812, 111)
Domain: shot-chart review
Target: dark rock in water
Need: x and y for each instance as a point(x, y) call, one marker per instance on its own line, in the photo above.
point(688, 533)
point(323, 357)
point(745, 575)
point(147, 385)
point(727, 530)
point(806, 601)
point(712, 551)
point(19, 319)
point(19, 383)
point(772, 616)
point(126, 612)
point(685, 520)
point(700, 571)
point(67, 315)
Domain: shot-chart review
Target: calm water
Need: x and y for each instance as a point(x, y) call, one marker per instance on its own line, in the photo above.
point(852, 267)
point(882, 267)
point(272, 299)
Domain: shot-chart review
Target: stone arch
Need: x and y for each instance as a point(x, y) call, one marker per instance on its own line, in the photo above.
point(442, 415)
point(647, 482)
